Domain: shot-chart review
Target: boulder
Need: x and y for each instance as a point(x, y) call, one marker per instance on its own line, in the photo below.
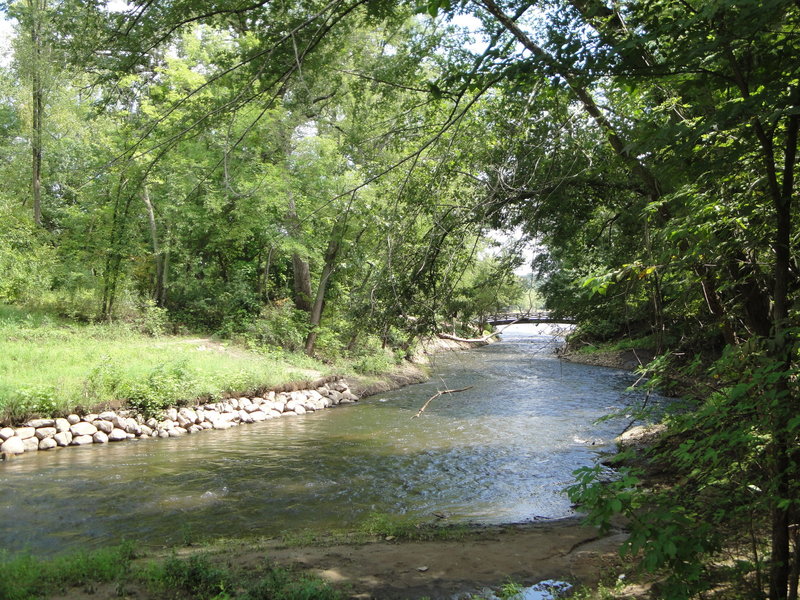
point(152, 423)
point(25, 432)
point(222, 424)
point(183, 420)
point(13, 445)
point(82, 440)
point(72, 419)
point(195, 428)
point(104, 426)
point(171, 414)
point(299, 409)
point(47, 444)
point(107, 415)
point(100, 437)
point(82, 429)
point(146, 430)
point(37, 423)
point(177, 432)
point(31, 444)
point(63, 438)
point(206, 425)
point(5, 433)
point(90, 417)
point(45, 432)
point(258, 416)
point(117, 435)
point(62, 425)
point(245, 417)
point(163, 434)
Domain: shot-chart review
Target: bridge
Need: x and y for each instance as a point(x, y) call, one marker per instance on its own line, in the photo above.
point(542, 316)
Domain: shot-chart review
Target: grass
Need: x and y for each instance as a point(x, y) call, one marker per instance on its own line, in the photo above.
point(50, 366)
point(199, 576)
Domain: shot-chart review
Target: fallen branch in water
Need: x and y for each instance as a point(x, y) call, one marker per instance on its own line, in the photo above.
point(482, 340)
point(436, 395)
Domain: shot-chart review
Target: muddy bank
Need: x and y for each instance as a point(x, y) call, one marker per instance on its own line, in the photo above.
point(615, 359)
point(390, 569)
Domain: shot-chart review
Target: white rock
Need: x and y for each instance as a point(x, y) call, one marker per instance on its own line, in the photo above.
point(222, 424)
point(82, 429)
point(13, 445)
point(119, 422)
point(5, 433)
point(31, 444)
point(72, 419)
point(45, 432)
point(37, 423)
point(171, 414)
point(62, 425)
point(163, 434)
point(184, 421)
point(107, 415)
point(132, 426)
point(130, 436)
point(151, 423)
point(274, 414)
point(299, 409)
point(117, 435)
point(25, 432)
point(82, 440)
point(234, 402)
point(245, 417)
point(206, 425)
point(47, 444)
point(146, 430)
point(104, 426)
point(63, 438)
point(258, 416)
point(289, 413)
point(195, 428)
point(100, 437)
point(90, 417)
point(166, 424)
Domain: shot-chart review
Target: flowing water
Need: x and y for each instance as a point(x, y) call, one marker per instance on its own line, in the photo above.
point(500, 452)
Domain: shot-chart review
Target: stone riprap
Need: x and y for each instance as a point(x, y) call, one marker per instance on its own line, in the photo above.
point(116, 426)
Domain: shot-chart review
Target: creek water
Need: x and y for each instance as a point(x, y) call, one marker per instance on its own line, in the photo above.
point(502, 451)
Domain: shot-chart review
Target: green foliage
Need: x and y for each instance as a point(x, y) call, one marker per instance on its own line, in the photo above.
point(166, 384)
point(196, 576)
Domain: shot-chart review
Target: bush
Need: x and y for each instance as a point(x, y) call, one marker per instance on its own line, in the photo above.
point(164, 386)
point(278, 326)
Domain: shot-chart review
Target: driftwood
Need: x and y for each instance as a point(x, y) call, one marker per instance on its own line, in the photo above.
point(436, 395)
point(483, 340)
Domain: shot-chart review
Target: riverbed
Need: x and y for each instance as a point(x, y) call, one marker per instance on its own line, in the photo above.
point(500, 452)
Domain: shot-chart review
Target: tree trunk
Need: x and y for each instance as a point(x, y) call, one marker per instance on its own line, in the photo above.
point(319, 300)
point(158, 284)
point(301, 288)
point(37, 92)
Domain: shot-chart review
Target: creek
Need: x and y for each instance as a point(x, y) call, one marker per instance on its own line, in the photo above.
point(500, 452)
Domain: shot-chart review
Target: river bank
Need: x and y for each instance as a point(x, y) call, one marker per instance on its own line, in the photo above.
point(416, 562)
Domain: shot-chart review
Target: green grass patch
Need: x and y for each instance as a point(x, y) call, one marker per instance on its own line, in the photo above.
point(24, 577)
point(50, 366)
point(199, 577)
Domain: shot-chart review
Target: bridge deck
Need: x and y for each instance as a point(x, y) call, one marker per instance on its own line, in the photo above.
point(534, 317)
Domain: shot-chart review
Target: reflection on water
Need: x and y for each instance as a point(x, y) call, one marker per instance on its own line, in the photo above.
point(500, 452)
